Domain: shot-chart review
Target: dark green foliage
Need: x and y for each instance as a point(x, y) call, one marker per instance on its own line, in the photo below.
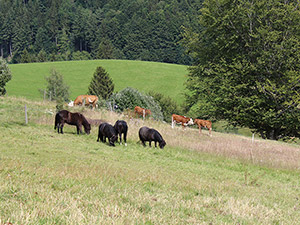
point(5, 75)
point(42, 56)
point(56, 88)
point(167, 105)
point(128, 98)
point(101, 84)
point(25, 57)
point(105, 50)
point(125, 29)
point(84, 55)
point(247, 64)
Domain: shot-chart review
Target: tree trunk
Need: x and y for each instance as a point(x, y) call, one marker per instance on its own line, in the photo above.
point(10, 49)
point(80, 45)
point(1, 47)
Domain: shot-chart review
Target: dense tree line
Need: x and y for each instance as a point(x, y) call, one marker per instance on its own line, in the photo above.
point(247, 65)
point(40, 30)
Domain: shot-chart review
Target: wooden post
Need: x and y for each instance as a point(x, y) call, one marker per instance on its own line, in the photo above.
point(26, 118)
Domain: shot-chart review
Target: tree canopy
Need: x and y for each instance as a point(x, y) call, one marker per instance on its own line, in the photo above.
point(247, 64)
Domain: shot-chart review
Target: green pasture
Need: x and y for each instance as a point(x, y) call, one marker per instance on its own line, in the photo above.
point(168, 79)
point(47, 178)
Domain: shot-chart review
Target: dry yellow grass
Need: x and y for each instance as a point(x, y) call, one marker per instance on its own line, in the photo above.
point(260, 152)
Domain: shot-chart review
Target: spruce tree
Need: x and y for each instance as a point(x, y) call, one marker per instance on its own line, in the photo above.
point(101, 84)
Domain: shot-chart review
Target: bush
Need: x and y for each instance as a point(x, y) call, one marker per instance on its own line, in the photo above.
point(5, 75)
point(168, 106)
point(84, 55)
point(128, 98)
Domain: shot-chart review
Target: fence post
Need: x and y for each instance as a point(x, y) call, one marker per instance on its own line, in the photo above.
point(26, 118)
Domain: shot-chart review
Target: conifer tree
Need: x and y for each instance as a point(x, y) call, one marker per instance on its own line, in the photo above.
point(101, 84)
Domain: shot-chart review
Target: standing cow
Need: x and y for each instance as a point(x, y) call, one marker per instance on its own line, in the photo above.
point(148, 134)
point(204, 123)
point(86, 99)
point(184, 121)
point(142, 111)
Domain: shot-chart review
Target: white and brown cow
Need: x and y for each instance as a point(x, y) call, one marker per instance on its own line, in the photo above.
point(183, 120)
point(204, 123)
point(85, 99)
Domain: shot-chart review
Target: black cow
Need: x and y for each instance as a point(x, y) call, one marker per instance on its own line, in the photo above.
point(107, 131)
point(148, 134)
point(121, 128)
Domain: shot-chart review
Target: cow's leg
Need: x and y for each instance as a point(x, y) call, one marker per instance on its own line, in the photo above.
point(144, 144)
point(155, 144)
point(210, 132)
point(149, 143)
point(200, 131)
point(172, 123)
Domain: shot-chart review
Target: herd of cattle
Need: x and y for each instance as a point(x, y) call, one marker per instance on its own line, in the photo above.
point(112, 132)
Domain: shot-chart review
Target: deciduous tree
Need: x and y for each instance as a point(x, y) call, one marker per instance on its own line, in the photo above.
point(247, 64)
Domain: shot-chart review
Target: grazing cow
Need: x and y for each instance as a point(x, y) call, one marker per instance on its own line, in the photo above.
point(76, 119)
point(107, 131)
point(121, 128)
point(142, 112)
point(87, 99)
point(203, 123)
point(184, 121)
point(148, 134)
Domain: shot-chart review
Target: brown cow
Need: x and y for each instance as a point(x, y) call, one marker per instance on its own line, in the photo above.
point(88, 99)
point(142, 112)
point(204, 123)
point(184, 121)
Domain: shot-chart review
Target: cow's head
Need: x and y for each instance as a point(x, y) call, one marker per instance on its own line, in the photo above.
point(71, 103)
point(191, 122)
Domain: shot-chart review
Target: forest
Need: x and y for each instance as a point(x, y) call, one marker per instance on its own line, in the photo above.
point(56, 30)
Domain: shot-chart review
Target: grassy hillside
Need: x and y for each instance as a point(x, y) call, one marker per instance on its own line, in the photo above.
point(47, 178)
point(144, 76)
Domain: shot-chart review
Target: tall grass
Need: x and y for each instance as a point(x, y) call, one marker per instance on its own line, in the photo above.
point(49, 178)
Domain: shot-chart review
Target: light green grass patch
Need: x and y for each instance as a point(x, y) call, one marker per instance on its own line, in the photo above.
point(168, 79)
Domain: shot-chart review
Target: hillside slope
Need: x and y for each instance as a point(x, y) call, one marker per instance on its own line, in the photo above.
point(164, 78)
point(49, 178)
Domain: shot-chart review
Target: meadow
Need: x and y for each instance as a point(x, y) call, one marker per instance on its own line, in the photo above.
point(28, 79)
point(49, 178)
